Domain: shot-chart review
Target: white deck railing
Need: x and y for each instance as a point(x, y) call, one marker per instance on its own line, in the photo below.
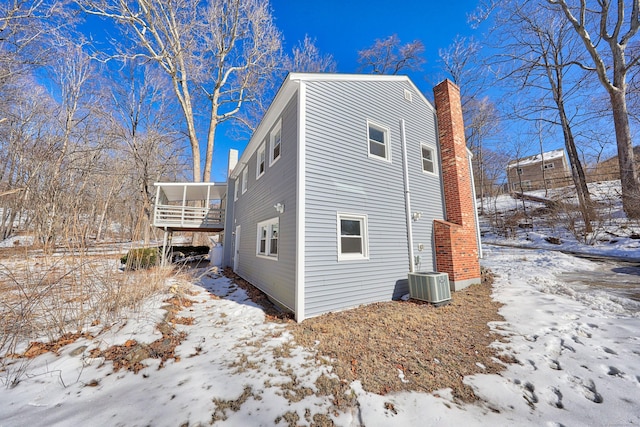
point(187, 216)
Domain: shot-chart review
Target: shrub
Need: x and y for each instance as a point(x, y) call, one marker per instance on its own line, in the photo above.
point(141, 258)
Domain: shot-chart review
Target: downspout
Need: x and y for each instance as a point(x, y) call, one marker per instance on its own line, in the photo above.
point(475, 203)
point(407, 196)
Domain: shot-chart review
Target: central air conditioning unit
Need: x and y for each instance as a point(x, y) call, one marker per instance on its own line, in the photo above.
point(430, 286)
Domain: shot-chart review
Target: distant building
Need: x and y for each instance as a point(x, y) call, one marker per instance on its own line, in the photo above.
point(531, 173)
point(609, 169)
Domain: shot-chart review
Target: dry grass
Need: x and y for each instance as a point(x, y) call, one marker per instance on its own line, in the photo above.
point(400, 345)
point(432, 348)
point(45, 298)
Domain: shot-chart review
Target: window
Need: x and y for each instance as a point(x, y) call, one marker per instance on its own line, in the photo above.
point(378, 137)
point(428, 159)
point(245, 180)
point(260, 162)
point(276, 143)
point(236, 189)
point(519, 171)
point(352, 237)
point(273, 239)
point(267, 242)
point(548, 166)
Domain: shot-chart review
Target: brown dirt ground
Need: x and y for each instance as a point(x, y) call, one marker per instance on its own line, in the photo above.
point(433, 347)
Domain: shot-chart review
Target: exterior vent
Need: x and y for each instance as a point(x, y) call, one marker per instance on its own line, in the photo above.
point(431, 287)
point(407, 95)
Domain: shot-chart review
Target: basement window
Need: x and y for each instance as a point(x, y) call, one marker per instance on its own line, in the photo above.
point(352, 237)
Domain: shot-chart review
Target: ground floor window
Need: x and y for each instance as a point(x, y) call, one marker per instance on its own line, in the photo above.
point(267, 239)
point(352, 237)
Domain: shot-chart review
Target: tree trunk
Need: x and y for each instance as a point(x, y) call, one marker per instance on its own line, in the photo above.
point(577, 173)
point(628, 173)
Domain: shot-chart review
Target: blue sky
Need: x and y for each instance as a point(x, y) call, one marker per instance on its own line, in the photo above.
point(343, 27)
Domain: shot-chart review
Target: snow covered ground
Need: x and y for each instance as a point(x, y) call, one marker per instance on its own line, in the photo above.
point(577, 353)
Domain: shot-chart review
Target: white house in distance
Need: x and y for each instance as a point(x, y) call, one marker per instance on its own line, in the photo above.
point(349, 183)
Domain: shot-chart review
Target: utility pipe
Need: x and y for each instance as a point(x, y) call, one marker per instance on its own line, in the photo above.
point(407, 196)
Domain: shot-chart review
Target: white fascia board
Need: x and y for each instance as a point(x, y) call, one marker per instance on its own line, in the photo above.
point(286, 91)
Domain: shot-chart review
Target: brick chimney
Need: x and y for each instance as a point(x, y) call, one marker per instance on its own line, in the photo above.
point(456, 239)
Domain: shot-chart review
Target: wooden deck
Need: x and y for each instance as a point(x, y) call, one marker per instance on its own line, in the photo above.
point(190, 206)
point(188, 217)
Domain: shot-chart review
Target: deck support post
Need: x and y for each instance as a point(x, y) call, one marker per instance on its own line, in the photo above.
point(166, 240)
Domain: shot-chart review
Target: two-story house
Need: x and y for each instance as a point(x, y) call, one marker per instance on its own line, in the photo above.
point(549, 169)
point(348, 183)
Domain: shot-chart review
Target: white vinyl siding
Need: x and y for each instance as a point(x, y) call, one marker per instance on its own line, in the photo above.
point(352, 237)
point(428, 159)
point(268, 238)
point(245, 180)
point(261, 162)
point(336, 121)
point(378, 140)
point(275, 145)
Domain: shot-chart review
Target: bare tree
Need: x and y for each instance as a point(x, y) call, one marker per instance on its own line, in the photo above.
point(222, 50)
point(539, 55)
point(388, 56)
point(143, 128)
point(606, 29)
point(462, 63)
point(25, 25)
point(307, 58)
point(304, 58)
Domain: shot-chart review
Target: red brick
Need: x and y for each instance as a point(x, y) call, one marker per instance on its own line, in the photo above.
point(456, 239)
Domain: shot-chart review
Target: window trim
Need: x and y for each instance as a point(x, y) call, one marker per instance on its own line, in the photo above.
point(245, 180)
point(364, 230)
point(261, 152)
point(387, 141)
point(267, 225)
point(236, 189)
point(433, 159)
point(276, 129)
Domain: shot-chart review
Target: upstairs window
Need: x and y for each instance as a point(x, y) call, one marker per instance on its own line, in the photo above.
point(276, 143)
point(245, 180)
point(428, 159)
point(236, 189)
point(268, 238)
point(261, 162)
point(352, 237)
point(378, 137)
point(548, 166)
